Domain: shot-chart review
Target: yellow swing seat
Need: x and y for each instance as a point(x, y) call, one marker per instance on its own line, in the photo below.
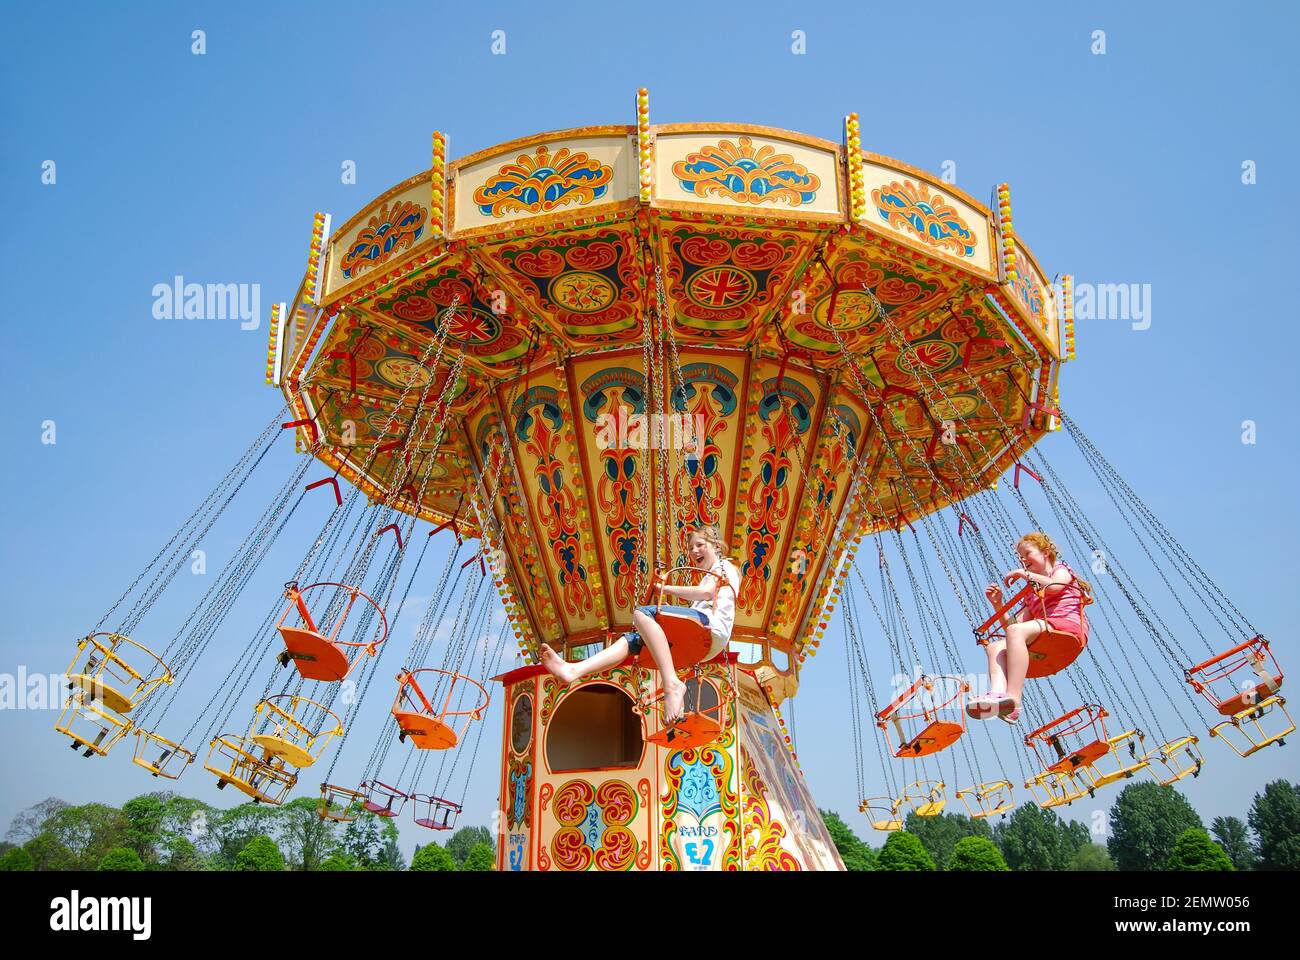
point(293, 728)
point(1136, 741)
point(926, 797)
point(160, 756)
point(991, 799)
point(1180, 758)
point(266, 778)
point(339, 804)
point(116, 671)
point(1246, 724)
point(92, 729)
point(1051, 789)
point(886, 813)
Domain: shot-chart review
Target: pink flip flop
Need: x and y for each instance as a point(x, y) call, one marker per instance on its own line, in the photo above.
point(1012, 717)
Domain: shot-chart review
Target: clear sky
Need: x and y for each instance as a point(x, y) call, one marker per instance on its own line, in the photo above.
point(1125, 167)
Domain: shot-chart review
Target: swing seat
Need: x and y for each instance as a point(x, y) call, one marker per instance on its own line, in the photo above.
point(97, 689)
point(381, 799)
point(434, 813)
point(887, 810)
point(1122, 771)
point(988, 799)
point(1169, 755)
point(1084, 756)
point(426, 732)
point(1051, 652)
point(931, 808)
point(265, 778)
point(689, 642)
point(430, 727)
point(695, 730)
point(160, 756)
point(935, 736)
point(294, 754)
point(1055, 789)
point(92, 729)
point(1247, 699)
point(1258, 738)
point(339, 804)
point(315, 657)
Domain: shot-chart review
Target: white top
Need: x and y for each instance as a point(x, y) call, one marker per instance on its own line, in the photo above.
point(723, 618)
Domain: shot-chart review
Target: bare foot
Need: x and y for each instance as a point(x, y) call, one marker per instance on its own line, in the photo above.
point(561, 669)
point(674, 694)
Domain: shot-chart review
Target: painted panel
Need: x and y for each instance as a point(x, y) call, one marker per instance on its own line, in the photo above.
point(565, 175)
point(387, 230)
point(749, 171)
point(927, 214)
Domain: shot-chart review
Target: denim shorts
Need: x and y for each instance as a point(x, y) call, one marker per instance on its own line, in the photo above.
point(634, 641)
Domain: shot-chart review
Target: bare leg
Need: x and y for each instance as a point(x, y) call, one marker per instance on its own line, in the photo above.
point(674, 690)
point(997, 652)
point(566, 672)
point(1018, 637)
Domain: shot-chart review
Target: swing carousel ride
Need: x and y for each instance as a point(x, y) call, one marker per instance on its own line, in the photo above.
point(573, 349)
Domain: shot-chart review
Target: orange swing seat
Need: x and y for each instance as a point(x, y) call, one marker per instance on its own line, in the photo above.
point(318, 657)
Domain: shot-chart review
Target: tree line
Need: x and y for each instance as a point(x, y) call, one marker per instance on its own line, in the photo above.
point(166, 831)
point(1149, 827)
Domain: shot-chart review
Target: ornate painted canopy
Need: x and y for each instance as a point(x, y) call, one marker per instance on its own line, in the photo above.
point(853, 342)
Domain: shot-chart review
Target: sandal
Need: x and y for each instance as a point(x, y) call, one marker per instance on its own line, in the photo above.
point(1012, 717)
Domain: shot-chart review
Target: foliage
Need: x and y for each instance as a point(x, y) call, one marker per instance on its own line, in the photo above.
point(30, 823)
point(1234, 836)
point(465, 839)
point(432, 857)
point(976, 853)
point(121, 858)
point(857, 856)
point(16, 859)
point(260, 853)
point(903, 851)
point(940, 835)
point(480, 857)
point(1145, 822)
point(1092, 857)
point(1036, 839)
point(1194, 850)
point(1275, 818)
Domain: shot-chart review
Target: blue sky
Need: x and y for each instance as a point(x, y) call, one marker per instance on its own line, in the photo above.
point(1124, 167)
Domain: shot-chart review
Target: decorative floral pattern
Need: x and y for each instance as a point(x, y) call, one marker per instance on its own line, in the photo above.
point(594, 826)
point(540, 182)
point(390, 230)
point(913, 208)
point(746, 174)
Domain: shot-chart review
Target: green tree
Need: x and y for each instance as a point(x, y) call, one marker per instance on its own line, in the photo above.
point(228, 832)
point(47, 853)
point(87, 832)
point(144, 819)
point(432, 857)
point(480, 857)
point(16, 859)
point(1091, 857)
point(306, 839)
point(976, 853)
point(939, 835)
point(466, 839)
point(1275, 818)
point(371, 842)
point(856, 855)
point(903, 851)
point(336, 862)
point(260, 853)
point(1145, 822)
point(1036, 839)
point(121, 858)
point(1194, 850)
point(183, 855)
point(1234, 836)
